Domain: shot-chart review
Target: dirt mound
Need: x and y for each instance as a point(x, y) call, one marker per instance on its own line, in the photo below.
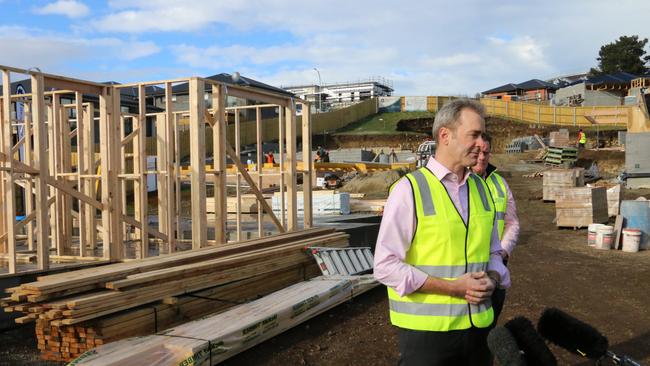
point(373, 185)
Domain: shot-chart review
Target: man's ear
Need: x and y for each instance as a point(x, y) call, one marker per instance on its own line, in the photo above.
point(444, 134)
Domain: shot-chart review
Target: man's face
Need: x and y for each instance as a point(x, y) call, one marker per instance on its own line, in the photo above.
point(464, 142)
point(483, 158)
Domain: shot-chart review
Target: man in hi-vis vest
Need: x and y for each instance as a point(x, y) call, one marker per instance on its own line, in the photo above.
point(438, 249)
point(506, 212)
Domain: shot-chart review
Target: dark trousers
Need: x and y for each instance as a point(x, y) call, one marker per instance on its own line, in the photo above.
point(458, 347)
point(498, 298)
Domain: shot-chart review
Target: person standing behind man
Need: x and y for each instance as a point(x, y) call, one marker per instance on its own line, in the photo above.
point(504, 203)
point(438, 249)
point(582, 139)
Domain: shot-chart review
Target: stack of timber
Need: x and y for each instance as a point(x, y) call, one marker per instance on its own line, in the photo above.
point(76, 311)
point(557, 180)
point(581, 206)
point(213, 339)
point(565, 156)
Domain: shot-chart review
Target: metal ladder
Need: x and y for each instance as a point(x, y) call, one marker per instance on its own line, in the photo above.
point(342, 261)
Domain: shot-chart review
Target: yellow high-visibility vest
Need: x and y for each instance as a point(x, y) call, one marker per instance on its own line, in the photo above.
point(583, 138)
point(500, 197)
point(445, 247)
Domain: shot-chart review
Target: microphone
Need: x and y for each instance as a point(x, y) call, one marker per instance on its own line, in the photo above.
point(504, 347)
point(530, 342)
point(578, 337)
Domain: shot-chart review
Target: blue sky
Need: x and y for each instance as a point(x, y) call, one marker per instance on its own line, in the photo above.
point(425, 47)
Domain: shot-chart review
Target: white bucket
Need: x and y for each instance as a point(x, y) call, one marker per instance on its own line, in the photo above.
point(592, 231)
point(631, 240)
point(605, 237)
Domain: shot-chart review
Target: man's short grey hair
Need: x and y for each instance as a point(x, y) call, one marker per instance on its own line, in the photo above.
point(449, 114)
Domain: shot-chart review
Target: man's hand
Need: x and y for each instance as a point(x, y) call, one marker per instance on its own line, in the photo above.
point(475, 287)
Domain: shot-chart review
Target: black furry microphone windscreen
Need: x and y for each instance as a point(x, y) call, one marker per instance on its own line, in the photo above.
point(530, 342)
point(572, 334)
point(504, 347)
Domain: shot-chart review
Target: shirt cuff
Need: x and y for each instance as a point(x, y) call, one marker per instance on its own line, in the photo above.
point(496, 264)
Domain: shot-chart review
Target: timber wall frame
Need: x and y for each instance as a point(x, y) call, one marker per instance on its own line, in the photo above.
point(84, 200)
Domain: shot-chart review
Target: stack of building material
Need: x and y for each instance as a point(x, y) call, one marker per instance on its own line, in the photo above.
point(324, 202)
point(214, 339)
point(559, 138)
point(565, 156)
point(578, 207)
point(557, 180)
point(248, 204)
point(76, 311)
point(361, 205)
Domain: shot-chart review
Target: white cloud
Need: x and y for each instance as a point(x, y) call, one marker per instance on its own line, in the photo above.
point(69, 8)
point(38, 48)
point(426, 48)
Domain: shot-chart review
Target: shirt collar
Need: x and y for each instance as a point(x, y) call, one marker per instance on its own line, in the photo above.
point(441, 171)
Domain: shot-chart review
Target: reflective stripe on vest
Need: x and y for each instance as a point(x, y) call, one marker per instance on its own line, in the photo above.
point(445, 247)
point(498, 189)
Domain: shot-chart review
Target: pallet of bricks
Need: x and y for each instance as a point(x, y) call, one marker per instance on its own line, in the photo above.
point(556, 180)
point(581, 206)
point(77, 311)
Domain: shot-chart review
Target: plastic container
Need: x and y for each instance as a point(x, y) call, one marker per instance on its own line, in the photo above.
point(592, 231)
point(605, 237)
point(637, 216)
point(631, 240)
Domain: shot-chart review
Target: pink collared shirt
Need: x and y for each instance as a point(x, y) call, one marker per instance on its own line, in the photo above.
point(511, 228)
point(398, 226)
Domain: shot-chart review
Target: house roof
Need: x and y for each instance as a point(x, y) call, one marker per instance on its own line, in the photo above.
point(619, 78)
point(531, 84)
point(183, 88)
point(615, 78)
point(502, 89)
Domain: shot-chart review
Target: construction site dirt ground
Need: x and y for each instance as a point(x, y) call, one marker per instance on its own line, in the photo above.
point(550, 267)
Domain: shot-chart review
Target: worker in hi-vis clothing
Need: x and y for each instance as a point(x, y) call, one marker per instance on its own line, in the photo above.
point(582, 139)
point(506, 212)
point(438, 249)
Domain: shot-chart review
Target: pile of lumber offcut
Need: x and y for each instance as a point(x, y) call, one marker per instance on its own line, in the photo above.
point(76, 311)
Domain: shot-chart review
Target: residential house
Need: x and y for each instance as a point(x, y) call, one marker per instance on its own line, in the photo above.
point(609, 89)
point(534, 89)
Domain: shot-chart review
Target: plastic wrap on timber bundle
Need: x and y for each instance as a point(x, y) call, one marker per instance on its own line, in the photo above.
point(216, 338)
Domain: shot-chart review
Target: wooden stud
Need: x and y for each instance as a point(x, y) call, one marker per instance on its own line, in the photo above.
point(281, 133)
point(258, 167)
point(66, 167)
point(169, 149)
point(197, 161)
point(9, 209)
point(29, 160)
point(81, 169)
point(88, 155)
point(239, 172)
point(307, 166)
point(219, 158)
point(41, 161)
point(292, 204)
point(140, 168)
